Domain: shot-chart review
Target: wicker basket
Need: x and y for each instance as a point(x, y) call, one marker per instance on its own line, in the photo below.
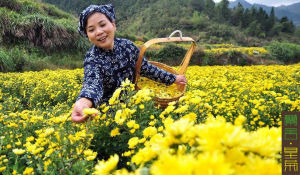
point(163, 102)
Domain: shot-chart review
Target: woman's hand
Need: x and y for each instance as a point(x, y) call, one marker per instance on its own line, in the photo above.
point(77, 113)
point(180, 80)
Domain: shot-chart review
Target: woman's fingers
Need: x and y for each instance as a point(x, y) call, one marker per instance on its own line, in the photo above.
point(180, 79)
point(77, 113)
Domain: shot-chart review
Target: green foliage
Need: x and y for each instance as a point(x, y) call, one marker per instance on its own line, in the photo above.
point(208, 59)
point(39, 25)
point(254, 28)
point(19, 57)
point(286, 52)
point(35, 36)
point(6, 63)
point(23, 58)
point(170, 54)
point(159, 18)
point(231, 57)
point(127, 36)
point(224, 12)
point(237, 58)
point(199, 21)
point(237, 14)
point(271, 21)
point(197, 5)
point(26, 7)
point(52, 11)
point(29, 7)
point(287, 26)
point(30, 25)
point(276, 29)
point(116, 145)
point(13, 60)
point(11, 4)
point(297, 32)
point(220, 31)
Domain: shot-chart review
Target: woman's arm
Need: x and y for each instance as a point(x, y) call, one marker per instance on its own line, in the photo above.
point(92, 84)
point(154, 73)
point(91, 92)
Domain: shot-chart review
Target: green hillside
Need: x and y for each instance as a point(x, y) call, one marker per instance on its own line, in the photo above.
point(35, 35)
point(202, 19)
point(39, 24)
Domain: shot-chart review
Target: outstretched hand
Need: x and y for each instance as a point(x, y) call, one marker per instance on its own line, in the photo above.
point(77, 113)
point(180, 80)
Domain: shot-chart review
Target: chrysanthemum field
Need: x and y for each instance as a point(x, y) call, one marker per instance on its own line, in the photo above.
point(227, 123)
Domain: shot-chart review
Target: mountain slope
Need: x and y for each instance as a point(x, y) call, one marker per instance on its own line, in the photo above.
point(35, 36)
point(244, 3)
point(294, 8)
point(291, 11)
point(38, 24)
point(201, 19)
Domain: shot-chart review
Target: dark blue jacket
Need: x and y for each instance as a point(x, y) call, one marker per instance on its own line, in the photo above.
point(104, 70)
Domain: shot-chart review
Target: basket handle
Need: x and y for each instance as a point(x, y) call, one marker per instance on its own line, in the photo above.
point(185, 62)
point(176, 31)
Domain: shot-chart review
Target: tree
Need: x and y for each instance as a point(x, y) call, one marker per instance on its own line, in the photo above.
point(253, 13)
point(246, 18)
point(237, 15)
point(196, 19)
point(199, 20)
point(262, 18)
point(276, 29)
point(209, 8)
point(197, 5)
point(271, 21)
point(287, 26)
point(224, 11)
point(254, 28)
point(297, 32)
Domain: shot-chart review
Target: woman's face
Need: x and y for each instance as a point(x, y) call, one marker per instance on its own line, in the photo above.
point(100, 30)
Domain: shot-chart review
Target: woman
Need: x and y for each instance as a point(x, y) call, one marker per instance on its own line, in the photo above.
point(109, 61)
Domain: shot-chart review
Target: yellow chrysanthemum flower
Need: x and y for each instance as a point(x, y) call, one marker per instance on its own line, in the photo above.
point(2, 169)
point(28, 171)
point(114, 132)
point(89, 154)
point(106, 167)
point(133, 142)
point(149, 131)
point(160, 90)
point(18, 151)
point(90, 111)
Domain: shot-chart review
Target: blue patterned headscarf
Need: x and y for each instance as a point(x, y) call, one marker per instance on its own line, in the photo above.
point(107, 10)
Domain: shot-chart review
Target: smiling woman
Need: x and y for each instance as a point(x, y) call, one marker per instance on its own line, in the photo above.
point(110, 61)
